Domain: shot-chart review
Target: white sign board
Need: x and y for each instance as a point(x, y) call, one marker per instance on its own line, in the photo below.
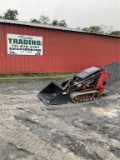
point(24, 45)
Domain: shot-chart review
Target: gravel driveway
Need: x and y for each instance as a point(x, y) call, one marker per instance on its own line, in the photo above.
point(29, 130)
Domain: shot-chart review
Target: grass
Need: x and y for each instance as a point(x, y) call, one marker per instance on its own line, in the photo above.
point(40, 75)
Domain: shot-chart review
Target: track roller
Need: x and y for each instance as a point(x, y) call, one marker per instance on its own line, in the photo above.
point(85, 96)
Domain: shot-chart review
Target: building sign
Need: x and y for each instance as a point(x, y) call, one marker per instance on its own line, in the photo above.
point(24, 45)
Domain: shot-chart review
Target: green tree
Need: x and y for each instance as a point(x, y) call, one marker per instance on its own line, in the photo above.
point(86, 29)
point(11, 14)
point(62, 23)
point(44, 19)
point(1, 17)
point(96, 29)
point(35, 21)
point(78, 28)
point(115, 33)
point(55, 22)
point(93, 29)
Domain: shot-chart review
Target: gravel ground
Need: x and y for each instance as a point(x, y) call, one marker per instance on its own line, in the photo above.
point(29, 130)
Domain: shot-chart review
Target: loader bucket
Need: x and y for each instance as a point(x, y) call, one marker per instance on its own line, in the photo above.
point(53, 94)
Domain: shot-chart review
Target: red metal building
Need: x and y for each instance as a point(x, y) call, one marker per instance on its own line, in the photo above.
point(62, 49)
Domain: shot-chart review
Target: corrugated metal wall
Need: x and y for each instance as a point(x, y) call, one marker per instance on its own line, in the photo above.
point(63, 51)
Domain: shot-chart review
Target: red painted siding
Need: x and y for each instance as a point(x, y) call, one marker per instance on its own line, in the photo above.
point(63, 51)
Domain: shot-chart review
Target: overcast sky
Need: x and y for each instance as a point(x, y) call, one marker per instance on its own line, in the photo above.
point(77, 13)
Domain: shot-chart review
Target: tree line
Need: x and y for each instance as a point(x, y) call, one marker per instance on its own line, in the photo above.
point(12, 15)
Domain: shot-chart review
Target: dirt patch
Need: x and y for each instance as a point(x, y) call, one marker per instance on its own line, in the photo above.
point(108, 111)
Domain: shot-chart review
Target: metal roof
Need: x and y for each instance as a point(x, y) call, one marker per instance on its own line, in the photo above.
point(49, 27)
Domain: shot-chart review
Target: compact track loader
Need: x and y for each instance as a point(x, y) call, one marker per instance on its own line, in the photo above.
point(87, 85)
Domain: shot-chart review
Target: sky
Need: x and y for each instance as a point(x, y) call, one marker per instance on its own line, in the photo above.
point(77, 13)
